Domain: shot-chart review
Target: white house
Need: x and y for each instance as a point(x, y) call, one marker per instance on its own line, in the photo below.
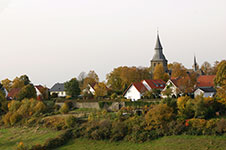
point(136, 90)
point(58, 89)
point(173, 85)
point(206, 92)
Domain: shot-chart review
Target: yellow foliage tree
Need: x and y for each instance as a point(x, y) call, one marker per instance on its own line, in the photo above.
point(158, 72)
point(100, 90)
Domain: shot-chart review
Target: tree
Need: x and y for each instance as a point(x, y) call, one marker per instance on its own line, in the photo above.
point(120, 78)
point(72, 88)
point(25, 79)
point(91, 78)
point(17, 83)
point(206, 68)
point(7, 84)
point(159, 116)
point(178, 70)
point(158, 72)
point(100, 90)
point(220, 81)
point(27, 91)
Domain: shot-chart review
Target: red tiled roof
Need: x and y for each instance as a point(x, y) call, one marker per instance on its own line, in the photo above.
point(140, 87)
point(13, 92)
point(205, 81)
point(156, 84)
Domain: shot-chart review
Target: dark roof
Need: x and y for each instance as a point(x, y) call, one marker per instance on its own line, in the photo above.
point(58, 87)
point(158, 43)
point(158, 51)
point(208, 89)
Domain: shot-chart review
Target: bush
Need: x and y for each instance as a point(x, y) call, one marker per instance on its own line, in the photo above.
point(221, 126)
point(64, 109)
point(14, 118)
point(119, 131)
point(71, 121)
point(159, 116)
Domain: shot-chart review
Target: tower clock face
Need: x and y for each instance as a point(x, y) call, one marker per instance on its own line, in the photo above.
point(4, 4)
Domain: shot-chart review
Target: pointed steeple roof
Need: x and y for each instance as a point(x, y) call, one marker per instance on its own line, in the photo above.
point(158, 43)
point(158, 50)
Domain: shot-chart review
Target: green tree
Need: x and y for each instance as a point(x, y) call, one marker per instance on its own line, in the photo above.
point(27, 91)
point(72, 88)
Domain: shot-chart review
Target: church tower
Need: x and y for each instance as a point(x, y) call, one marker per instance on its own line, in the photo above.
point(159, 57)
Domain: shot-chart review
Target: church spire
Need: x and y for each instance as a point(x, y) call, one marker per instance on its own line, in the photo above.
point(158, 43)
point(195, 64)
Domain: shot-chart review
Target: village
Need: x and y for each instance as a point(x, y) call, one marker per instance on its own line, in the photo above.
point(161, 80)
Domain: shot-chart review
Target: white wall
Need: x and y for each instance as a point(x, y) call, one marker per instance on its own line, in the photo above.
point(173, 88)
point(133, 94)
point(60, 94)
point(205, 94)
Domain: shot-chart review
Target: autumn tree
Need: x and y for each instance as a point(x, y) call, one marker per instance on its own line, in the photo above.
point(120, 78)
point(91, 78)
point(159, 73)
point(220, 81)
point(178, 70)
point(17, 83)
point(187, 83)
point(100, 90)
point(28, 91)
point(7, 84)
point(207, 68)
point(72, 88)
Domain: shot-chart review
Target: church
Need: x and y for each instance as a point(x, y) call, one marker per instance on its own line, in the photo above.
point(159, 57)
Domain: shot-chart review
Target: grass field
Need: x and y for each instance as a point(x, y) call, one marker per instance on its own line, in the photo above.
point(165, 143)
point(9, 137)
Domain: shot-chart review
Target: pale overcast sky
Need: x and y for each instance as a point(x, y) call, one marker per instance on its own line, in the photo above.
point(54, 40)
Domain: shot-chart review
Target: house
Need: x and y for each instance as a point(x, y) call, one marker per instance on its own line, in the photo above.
point(40, 92)
point(154, 84)
point(174, 85)
point(91, 88)
point(58, 89)
point(136, 90)
point(13, 93)
point(205, 91)
point(205, 85)
point(205, 81)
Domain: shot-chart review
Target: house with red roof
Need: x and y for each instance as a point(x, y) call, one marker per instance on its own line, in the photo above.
point(205, 86)
point(40, 91)
point(13, 93)
point(136, 90)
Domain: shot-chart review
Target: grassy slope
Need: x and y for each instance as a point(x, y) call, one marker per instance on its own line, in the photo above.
point(165, 143)
point(9, 137)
